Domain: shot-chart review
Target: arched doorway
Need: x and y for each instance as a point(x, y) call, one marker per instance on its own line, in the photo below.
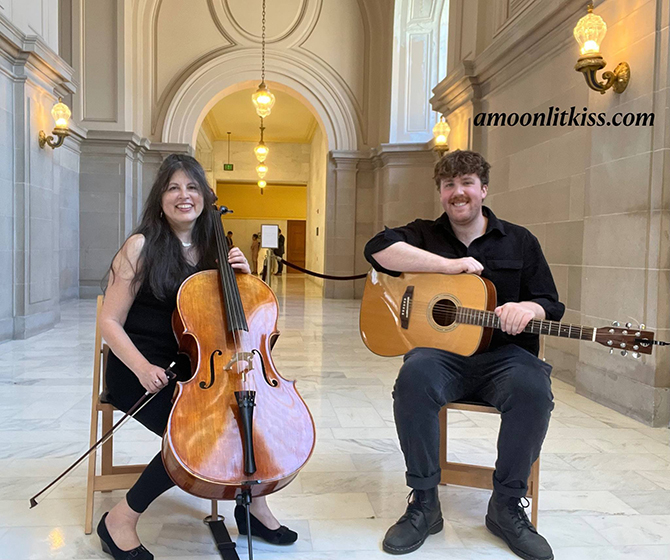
point(321, 90)
point(295, 195)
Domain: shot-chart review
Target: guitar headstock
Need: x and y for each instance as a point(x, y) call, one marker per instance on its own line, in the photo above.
point(626, 339)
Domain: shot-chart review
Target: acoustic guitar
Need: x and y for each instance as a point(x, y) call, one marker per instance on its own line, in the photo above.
point(455, 313)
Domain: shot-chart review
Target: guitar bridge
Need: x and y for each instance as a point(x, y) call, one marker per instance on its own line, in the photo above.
point(406, 307)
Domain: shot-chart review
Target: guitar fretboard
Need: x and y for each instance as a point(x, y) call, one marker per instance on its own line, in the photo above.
point(535, 326)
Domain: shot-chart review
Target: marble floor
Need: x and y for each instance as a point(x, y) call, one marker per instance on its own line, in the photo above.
point(605, 479)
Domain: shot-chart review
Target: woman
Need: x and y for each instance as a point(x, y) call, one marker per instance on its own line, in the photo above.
point(255, 247)
point(174, 240)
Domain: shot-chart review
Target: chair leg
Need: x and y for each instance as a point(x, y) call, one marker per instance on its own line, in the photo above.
point(90, 482)
point(107, 454)
point(443, 438)
point(535, 491)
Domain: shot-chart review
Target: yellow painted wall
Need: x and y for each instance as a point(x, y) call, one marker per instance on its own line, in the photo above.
point(278, 202)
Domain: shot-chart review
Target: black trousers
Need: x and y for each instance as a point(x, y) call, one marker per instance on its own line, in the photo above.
point(510, 378)
point(154, 480)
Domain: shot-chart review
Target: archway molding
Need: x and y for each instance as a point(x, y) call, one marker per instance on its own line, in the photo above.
point(296, 73)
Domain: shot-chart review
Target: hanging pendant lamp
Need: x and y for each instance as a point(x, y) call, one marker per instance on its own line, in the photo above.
point(263, 98)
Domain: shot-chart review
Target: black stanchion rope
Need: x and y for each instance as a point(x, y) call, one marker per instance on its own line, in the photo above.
point(319, 275)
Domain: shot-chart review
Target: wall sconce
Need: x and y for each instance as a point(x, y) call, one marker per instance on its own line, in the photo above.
point(441, 136)
point(589, 33)
point(262, 184)
point(61, 114)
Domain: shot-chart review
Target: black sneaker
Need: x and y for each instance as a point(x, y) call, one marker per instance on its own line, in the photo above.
point(507, 519)
point(423, 517)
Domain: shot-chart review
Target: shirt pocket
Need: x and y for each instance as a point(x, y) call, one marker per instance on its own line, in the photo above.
point(506, 276)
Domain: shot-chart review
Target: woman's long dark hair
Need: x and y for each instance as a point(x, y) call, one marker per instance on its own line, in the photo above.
point(162, 266)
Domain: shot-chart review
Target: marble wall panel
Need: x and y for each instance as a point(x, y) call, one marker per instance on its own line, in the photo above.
point(613, 293)
point(544, 203)
point(618, 240)
point(618, 186)
point(564, 242)
point(577, 195)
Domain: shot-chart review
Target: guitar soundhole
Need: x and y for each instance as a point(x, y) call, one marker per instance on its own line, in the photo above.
point(444, 312)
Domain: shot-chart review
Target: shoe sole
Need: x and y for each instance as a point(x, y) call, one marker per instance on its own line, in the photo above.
point(434, 528)
point(498, 532)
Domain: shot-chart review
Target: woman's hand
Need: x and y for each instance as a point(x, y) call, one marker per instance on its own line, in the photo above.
point(152, 378)
point(238, 261)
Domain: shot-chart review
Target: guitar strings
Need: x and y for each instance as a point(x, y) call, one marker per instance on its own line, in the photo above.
point(481, 317)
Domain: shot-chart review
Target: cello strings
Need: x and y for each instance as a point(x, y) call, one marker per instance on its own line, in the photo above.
point(223, 260)
point(233, 303)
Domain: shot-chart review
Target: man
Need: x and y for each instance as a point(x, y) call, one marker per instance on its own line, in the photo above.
point(229, 240)
point(468, 237)
point(279, 251)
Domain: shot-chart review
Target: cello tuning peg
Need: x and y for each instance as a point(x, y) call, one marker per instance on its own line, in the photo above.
point(611, 351)
point(643, 326)
point(616, 324)
point(629, 325)
point(636, 355)
point(624, 353)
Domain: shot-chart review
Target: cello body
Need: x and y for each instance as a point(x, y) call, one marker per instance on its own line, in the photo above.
point(203, 448)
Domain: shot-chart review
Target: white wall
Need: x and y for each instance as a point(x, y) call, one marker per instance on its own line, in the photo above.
point(287, 163)
point(34, 17)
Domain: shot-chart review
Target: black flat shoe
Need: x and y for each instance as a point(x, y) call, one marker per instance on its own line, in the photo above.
point(283, 535)
point(109, 546)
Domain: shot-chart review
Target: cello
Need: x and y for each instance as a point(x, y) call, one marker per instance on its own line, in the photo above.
point(237, 428)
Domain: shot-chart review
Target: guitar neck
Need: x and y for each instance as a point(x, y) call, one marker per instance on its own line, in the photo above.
point(535, 326)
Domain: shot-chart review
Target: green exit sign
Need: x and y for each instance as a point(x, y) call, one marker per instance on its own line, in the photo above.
point(227, 166)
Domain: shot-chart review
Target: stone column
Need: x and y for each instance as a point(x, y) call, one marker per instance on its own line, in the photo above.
point(37, 185)
point(117, 171)
point(341, 222)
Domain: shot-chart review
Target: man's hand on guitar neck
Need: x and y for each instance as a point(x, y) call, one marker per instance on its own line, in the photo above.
point(514, 317)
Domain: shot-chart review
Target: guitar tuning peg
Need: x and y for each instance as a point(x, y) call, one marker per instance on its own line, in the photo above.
point(643, 326)
point(629, 325)
point(611, 351)
point(636, 355)
point(616, 324)
point(624, 353)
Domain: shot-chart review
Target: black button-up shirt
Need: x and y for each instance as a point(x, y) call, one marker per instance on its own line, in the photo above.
point(510, 254)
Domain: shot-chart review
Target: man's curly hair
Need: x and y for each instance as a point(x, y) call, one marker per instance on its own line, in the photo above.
point(461, 162)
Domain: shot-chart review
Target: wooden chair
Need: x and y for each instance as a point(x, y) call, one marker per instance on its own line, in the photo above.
point(111, 477)
point(477, 476)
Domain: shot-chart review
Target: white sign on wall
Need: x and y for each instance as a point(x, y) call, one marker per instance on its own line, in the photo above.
point(269, 236)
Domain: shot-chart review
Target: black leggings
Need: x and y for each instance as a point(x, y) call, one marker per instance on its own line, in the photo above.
point(154, 480)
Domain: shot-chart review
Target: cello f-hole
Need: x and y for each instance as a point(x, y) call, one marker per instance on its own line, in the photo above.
point(204, 385)
point(270, 382)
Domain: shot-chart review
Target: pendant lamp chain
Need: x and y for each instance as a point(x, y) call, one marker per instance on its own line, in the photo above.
point(263, 98)
point(263, 48)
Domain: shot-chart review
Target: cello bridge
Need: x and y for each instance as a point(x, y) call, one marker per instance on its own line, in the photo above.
point(240, 358)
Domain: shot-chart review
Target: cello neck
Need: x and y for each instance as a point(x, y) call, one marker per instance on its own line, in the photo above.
point(231, 294)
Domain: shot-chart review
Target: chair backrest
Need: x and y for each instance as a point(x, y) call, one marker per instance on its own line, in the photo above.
point(100, 358)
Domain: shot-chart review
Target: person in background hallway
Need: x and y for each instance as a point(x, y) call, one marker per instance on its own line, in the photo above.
point(174, 240)
point(255, 247)
point(279, 251)
point(468, 237)
point(229, 240)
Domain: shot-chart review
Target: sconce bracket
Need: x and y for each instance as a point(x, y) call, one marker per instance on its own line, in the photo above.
point(440, 150)
point(617, 80)
point(49, 140)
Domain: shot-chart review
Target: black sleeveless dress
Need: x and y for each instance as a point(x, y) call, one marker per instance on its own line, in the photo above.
point(149, 327)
